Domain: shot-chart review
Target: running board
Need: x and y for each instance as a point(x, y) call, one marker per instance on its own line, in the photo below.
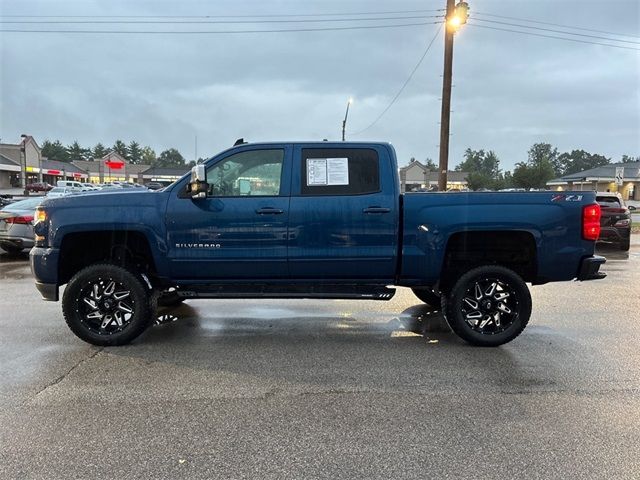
point(346, 292)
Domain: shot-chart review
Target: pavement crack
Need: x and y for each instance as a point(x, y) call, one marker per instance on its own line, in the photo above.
point(68, 372)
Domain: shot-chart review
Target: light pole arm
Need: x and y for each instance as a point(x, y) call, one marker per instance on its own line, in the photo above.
point(344, 122)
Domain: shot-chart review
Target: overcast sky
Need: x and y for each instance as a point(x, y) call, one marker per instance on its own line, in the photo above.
point(511, 90)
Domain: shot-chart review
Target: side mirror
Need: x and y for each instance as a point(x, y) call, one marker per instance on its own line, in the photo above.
point(198, 186)
point(632, 208)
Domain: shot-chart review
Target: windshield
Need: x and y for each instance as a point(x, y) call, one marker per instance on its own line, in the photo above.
point(608, 201)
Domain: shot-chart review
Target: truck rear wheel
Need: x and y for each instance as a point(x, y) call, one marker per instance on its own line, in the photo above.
point(428, 296)
point(106, 305)
point(488, 306)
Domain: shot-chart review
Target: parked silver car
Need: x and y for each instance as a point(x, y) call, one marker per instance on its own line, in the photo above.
point(16, 225)
point(61, 191)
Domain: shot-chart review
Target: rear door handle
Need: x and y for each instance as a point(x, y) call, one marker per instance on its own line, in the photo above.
point(269, 211)
point(376, 210)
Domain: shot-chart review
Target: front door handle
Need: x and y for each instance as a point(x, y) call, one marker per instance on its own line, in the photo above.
point(269, 211)
point(376, 210)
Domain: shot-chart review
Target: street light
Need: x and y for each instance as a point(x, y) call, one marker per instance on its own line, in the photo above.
point(346, 114)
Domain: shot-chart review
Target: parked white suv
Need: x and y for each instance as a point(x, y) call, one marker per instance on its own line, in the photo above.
point(75, 186)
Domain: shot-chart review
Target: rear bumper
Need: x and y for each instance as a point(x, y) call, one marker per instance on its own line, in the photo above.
point(614, 234)
point(589, 268)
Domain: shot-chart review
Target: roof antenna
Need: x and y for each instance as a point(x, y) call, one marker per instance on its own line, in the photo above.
point(239, 141)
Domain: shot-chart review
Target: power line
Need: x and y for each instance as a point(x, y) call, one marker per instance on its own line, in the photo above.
point(556, 31)
point(415, 69)
point(553, 36)
point(555, 24)
point(232, 16)
point(220, 32)
point(204, 22)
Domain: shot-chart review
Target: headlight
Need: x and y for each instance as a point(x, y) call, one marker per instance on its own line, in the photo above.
point(40, 227)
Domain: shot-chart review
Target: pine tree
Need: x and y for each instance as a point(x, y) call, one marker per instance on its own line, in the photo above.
point(76, 152)
point(135, 152)
point(99, 151)
point(121, 149)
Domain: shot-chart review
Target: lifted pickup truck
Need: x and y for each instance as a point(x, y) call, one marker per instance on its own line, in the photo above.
point(308, 220)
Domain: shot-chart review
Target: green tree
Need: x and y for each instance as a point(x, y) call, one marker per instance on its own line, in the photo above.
point(76, 152)
point(99, 151)
point(170, 158)
point(430, 165)
point(54, 151)
point(148, 156)
point(482, 167)
point(538, 169)
point(630, 159)
point(135, 152)
point(121, 149)
point(547, 153)
point(578, 161)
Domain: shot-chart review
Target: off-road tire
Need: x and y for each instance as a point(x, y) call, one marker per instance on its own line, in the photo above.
point(79, 298)
point(457, 310)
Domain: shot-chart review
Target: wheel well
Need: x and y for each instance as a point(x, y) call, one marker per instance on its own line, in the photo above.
point(124, 248)
point(466, 250)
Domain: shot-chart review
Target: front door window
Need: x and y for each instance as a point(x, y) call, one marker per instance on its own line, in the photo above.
point(251, 173)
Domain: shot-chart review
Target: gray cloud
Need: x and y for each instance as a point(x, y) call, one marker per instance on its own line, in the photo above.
point(511, 90)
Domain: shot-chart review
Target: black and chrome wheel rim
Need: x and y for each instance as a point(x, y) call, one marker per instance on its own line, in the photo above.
point(490, 306)
point(105, 306)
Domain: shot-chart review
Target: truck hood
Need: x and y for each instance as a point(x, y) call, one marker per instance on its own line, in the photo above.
point(111, 198)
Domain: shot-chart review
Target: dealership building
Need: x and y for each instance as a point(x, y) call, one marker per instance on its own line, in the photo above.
point(27, 156)
point(603, 179)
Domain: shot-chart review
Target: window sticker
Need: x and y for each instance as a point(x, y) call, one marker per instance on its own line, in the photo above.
point(316, 171)
point(327, 171)
point(337, 171)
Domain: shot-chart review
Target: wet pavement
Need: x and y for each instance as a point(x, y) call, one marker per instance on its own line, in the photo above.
point(331, 389)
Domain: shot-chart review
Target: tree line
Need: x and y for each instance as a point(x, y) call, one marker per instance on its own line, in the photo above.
point(544, 162)
point(133, 152)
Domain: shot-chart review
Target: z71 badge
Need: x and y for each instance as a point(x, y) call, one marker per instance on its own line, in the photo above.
point(566, 198)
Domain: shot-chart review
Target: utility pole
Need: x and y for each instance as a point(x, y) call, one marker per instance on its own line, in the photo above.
point(455, 16)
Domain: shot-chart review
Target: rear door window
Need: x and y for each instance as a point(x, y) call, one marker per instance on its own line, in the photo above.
point(339, 171)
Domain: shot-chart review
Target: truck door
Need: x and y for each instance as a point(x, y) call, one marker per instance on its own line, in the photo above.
point(343, 214)
point(239, 230)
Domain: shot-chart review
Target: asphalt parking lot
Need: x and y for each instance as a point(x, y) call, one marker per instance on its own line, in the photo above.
point(326, 389)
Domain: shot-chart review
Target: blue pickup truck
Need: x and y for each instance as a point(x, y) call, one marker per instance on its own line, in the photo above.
point(308, 220)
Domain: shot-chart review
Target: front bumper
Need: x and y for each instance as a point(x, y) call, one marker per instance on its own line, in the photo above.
point(44, 266)
point(589, 268)
point(49, 291)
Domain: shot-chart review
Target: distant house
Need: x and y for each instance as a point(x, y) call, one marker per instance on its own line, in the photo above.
point(417, 176)
point(603, 179)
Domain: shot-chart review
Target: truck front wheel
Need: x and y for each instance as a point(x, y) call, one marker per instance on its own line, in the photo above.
point(488, 306)
point(106, 305)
